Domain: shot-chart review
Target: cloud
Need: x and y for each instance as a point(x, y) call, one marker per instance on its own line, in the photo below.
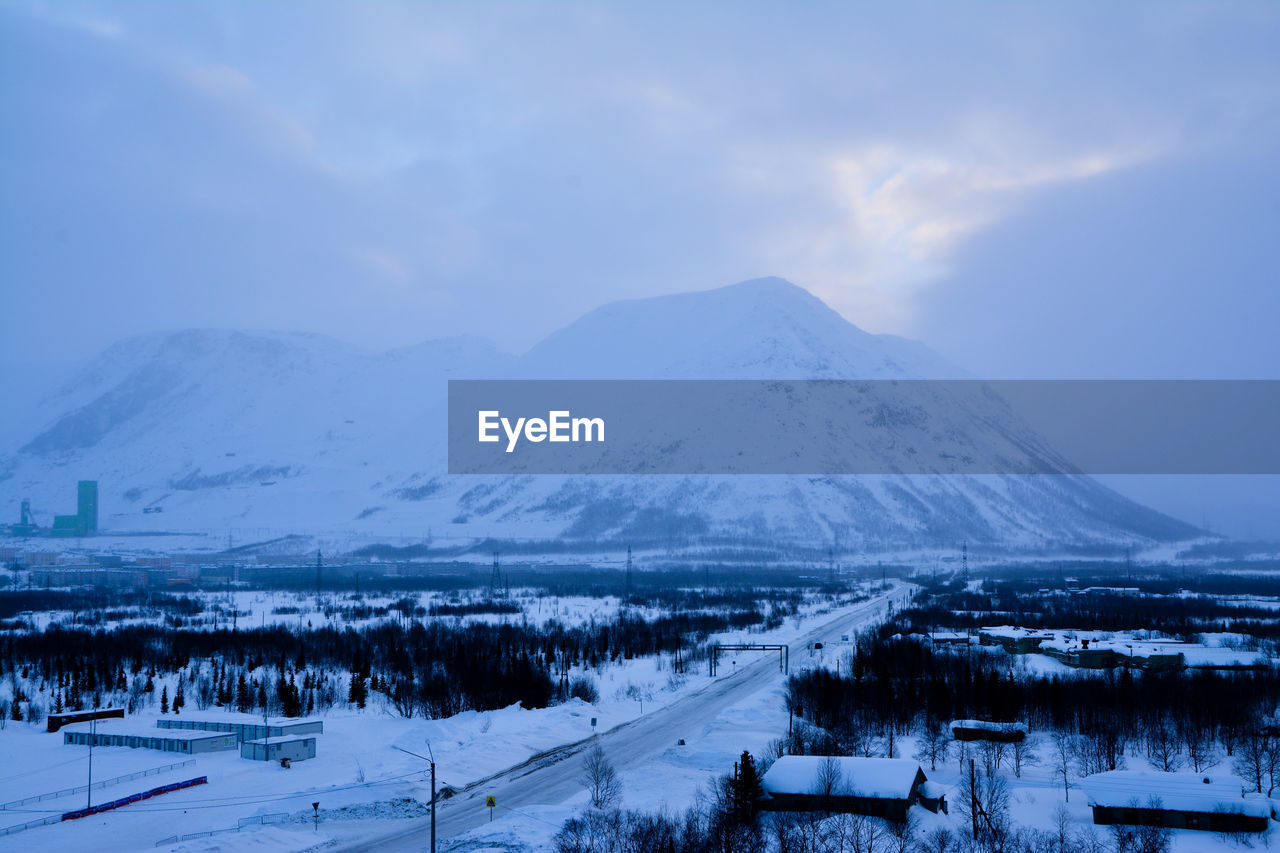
point(530, 163)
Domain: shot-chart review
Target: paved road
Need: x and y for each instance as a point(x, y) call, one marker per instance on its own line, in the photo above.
point(553, 777)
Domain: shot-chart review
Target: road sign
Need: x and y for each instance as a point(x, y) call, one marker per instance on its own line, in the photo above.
point(491, 802)
point(593, 722)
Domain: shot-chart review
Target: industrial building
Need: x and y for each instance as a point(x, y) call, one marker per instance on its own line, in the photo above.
point(287, 748)
point(245, 730)
point(1175, 800)
point(188, 743)
point(83, 523)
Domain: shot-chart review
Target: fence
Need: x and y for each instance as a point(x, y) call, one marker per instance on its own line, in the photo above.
point(31, 824)
point(67, 792)
point(260, 820)
point(145, 795)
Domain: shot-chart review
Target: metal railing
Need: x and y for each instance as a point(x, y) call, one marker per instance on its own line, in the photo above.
point(257, 820)
point(31, 824)
point(80, 789)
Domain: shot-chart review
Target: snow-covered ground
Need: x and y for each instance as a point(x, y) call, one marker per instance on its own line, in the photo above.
point(358, 771)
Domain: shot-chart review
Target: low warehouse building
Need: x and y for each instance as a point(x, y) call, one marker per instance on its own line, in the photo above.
point(187, 743)
point(1175, 800)
point(879, 787)
point(56, 721)
point(246, 728)
point(277, 748)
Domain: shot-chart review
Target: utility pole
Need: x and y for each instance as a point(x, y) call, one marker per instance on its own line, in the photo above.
point(628, 571)
point(964, 562)
point(973, 806)
point(431, 760)
point(88, 794)
point(495, 579)
point(319, 569)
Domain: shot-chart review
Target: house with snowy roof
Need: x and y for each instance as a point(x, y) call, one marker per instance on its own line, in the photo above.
point(1215, 803)
point(879, 787)
point(971, 730)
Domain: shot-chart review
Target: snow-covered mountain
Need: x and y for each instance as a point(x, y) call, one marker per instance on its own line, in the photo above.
point(264, 435)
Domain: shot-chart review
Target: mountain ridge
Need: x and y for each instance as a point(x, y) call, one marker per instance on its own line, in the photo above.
point(285, 432)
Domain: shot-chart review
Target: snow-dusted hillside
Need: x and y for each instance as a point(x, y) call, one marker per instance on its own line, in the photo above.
point(264, 435)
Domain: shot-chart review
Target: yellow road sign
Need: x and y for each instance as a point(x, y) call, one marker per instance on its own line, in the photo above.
point(491, 802)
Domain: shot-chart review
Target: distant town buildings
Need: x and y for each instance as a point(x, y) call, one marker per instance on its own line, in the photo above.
point(1107, 649)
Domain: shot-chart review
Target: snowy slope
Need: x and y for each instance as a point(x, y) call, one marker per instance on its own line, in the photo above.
point(265, 435)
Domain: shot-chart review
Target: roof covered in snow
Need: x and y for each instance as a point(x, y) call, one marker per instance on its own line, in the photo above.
point(987, 726)
point(131, 729)
point(284, 739)
point(1132, 644)
point(931, 790)
point(1189, 792)
point(884, 778)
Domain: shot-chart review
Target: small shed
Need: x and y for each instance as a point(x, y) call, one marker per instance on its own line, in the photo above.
point(292, 747)
point(879, 787)
point(1175, 800)
point(933, 797)
point(971, 730)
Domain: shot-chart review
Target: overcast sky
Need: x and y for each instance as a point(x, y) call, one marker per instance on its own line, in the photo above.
point(1033, 189)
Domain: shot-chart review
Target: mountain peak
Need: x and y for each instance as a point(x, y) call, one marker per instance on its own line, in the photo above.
point(762, 328)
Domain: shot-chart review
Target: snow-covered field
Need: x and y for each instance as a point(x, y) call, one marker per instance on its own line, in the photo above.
point(371, 791)
point(359, 773)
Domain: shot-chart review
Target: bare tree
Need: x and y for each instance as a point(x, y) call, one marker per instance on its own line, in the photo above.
point(1024, 754)
point(830, 779)
point(1099, 751)
point(1142, 839)
point(1061, 829)
point(1253, 753)
point(984, 802)
point(1273, 765)
point(1200, 748)
point(1163, 748)
point(1062, 751)
point(600, 779)
point(933, 744)
point(902, 835)
point(940, 840)
point(990, 755)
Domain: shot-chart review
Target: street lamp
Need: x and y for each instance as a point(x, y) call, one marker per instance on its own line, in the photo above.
point(88, 792)
point(432, 762)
